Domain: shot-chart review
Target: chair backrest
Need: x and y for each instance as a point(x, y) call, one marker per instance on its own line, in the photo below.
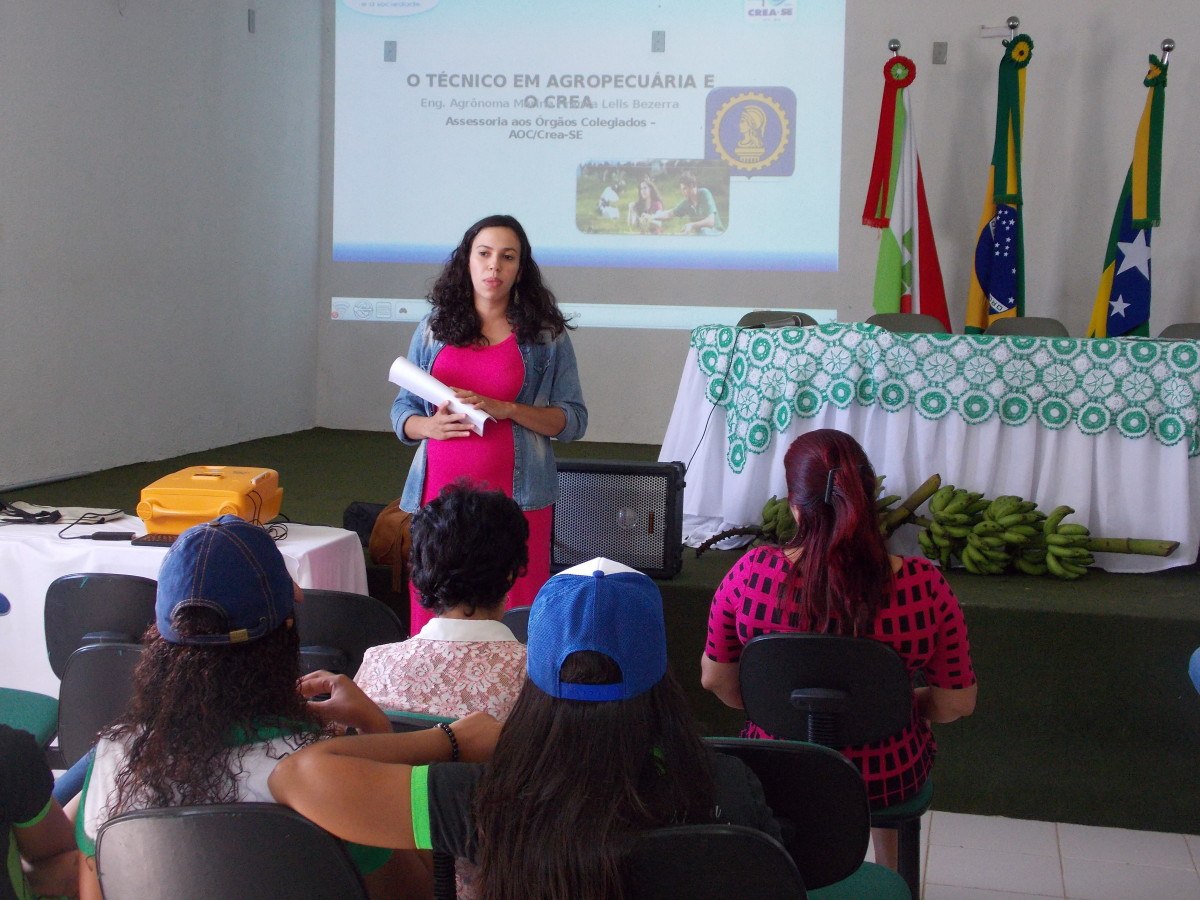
point(403, 720)
point(95, 607)
point(97, 685)
point(819, 798)
point(775, 318)
point(711, 862)
point(1038, 326)
point(825, 689)
point(517, 620)
point(337, 627)
point(908, 323)
point(1187, 331)
point(234, 851)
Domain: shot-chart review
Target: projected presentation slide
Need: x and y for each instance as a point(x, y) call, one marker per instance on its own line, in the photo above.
point(674, 134)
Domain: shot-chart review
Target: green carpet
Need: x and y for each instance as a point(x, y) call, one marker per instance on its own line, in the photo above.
point(1085, 712)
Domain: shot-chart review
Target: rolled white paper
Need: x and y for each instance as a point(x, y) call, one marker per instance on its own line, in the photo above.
point(415, 379)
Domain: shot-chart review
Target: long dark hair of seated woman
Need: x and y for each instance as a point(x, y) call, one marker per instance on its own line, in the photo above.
point(572, 781)
point(187, 702)
point(844, 569)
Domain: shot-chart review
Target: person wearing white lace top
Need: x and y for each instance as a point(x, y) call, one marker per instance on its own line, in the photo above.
point(468, 547)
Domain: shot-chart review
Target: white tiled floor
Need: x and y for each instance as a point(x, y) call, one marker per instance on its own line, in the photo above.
point(993, 858)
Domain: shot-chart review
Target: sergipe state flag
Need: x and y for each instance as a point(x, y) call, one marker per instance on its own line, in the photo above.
point(1122, 305)
point(908, 275)
point(998, 270)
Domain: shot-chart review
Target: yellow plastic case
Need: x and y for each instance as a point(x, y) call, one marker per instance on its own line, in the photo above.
point(199, 494)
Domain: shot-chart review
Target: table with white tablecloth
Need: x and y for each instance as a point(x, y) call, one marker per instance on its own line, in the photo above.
point(1107, 426)
point(32, 556)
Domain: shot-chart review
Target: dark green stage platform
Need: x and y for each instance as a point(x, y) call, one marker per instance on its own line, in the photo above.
point(1085, 713)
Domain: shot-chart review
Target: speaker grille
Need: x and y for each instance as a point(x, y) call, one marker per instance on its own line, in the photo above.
point(627, 513)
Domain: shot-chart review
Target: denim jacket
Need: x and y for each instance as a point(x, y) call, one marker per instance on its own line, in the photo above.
point(551, 379)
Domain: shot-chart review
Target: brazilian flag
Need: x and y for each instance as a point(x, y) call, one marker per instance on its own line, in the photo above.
point(998, 271)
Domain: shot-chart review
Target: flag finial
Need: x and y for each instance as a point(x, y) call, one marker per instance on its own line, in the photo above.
point(894, 46)
point(1167, 46)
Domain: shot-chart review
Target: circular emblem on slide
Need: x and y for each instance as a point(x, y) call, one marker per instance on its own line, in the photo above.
point(751, 131)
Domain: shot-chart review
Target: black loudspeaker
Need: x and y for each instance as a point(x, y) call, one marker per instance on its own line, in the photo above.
point(629, 512)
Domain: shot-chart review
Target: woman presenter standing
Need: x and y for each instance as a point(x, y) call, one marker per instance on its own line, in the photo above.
point(495, 336)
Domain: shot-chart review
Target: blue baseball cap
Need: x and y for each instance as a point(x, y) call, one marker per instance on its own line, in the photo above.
point(605, 607)
point(231, 566)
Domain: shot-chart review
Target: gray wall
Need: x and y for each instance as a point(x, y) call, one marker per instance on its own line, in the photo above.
point(159, 172)
point(164, 224)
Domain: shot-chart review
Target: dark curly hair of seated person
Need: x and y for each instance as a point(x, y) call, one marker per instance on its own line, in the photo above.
point(469, 545)
point(189, 700)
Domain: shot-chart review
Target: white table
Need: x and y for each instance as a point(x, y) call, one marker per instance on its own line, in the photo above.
point(1122, 481)
point(32, 556)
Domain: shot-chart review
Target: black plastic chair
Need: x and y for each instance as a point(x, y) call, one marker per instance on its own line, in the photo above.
point(97, 686)
point(820, 802)
point(775, 318)
point(711, 862)
point(1181, 331)
point(517, 620)
point(840, 692)
point(234, 851)
point(337, 627)
point(908, 323)
point(95, 607)
point(403, 720)
point(1038, 326)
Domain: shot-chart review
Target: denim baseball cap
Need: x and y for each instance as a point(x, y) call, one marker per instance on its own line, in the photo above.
point(231, 566)
point(602, 606)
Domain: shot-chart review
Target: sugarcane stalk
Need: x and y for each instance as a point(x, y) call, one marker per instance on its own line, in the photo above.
point(1143, 546)
point(907, 508)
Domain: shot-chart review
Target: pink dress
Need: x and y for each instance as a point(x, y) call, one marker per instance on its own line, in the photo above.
point(495, 371)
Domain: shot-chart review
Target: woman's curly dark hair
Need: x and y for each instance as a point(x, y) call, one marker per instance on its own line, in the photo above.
point(532, 309)
point(468, 547)
point(189, 700)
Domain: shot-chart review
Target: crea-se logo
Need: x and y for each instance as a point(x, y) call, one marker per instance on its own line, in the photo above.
point(770, 10)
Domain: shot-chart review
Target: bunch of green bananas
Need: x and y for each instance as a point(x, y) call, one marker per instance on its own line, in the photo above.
point(778, 525)
point(1002, 535)
point(953, 512)
point(1067, 554)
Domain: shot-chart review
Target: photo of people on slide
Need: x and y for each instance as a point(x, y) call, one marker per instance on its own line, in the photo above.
point(653, 197)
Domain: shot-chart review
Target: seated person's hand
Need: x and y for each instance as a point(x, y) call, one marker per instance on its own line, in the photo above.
point(347, 705)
